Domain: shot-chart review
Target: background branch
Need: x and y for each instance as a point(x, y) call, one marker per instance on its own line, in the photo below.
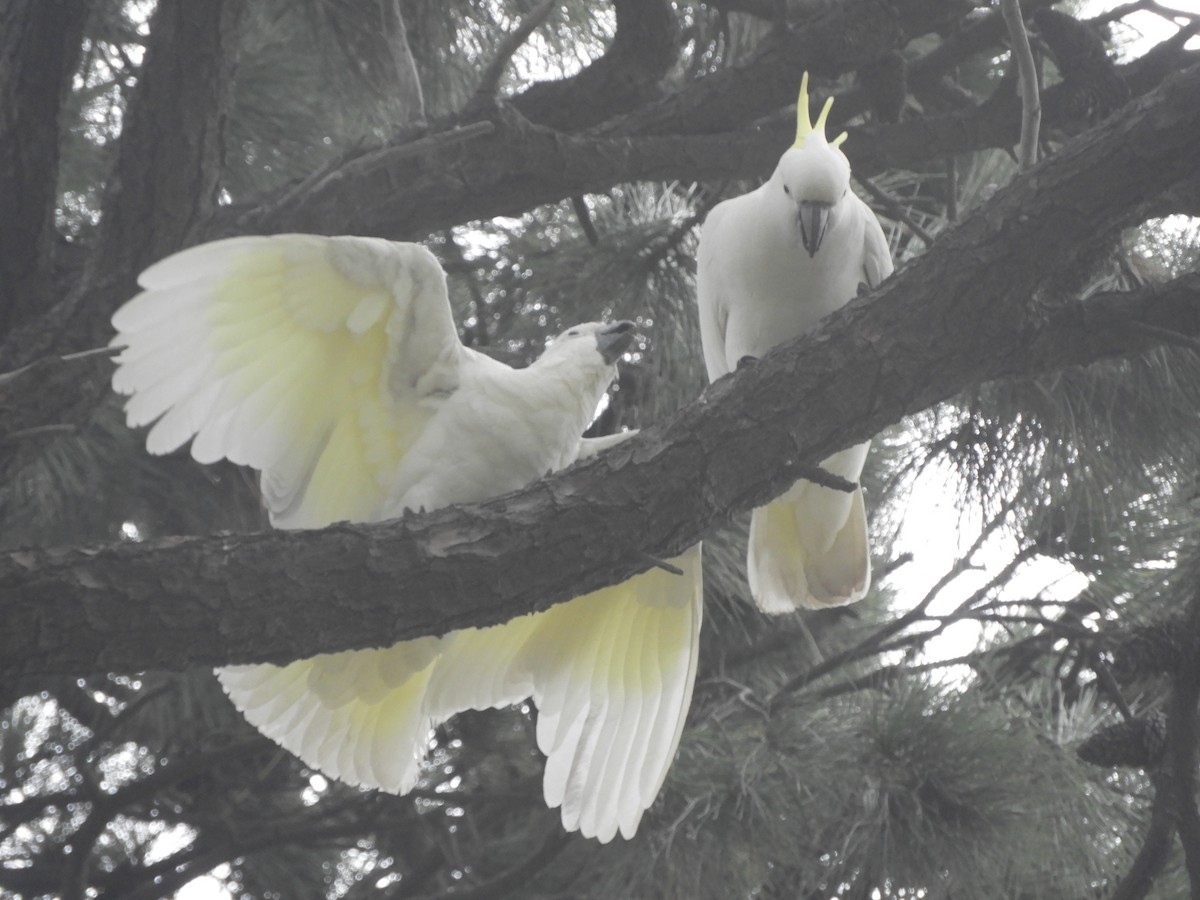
point(489, 81)
point(1022, 61)
point(846, 380)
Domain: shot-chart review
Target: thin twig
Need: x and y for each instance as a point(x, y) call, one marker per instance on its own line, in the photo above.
point(38, 431)
point(886, 674)
point(1109, 685)
point(660, 563)
point(45, 361)
point(952, 189)
point(107, 727)
point(1031, 104)
point(892, 565)
point(1166, 335)
point(348, 166)
point(479, 334)
point(386, 156)
point(584, 215)
point(822, 477)
point(874, 642)
point(966, 611)
point(489, 82)
point(896, 208)
point(519, 876)
point(1025, 554)
point(88, 354)
point(408, 81)
point(1061, 628)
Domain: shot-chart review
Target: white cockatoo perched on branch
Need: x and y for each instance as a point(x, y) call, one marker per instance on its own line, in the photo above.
point(771, 264)
point(332, 365)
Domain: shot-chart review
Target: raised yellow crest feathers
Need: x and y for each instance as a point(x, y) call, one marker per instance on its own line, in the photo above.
point(805, 125)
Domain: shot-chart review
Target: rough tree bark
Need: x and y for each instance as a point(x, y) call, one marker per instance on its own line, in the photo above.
point(39, 48)
point(629, 73)
point(399, 191)
point(162, 189)
point(164, 183)
point(975, 307)
point(390, 192)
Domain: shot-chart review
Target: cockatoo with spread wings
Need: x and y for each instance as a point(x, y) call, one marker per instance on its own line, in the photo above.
point(332, 365)
point(771, 263)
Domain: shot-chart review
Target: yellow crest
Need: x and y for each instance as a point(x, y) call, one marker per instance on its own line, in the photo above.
point(805, 125)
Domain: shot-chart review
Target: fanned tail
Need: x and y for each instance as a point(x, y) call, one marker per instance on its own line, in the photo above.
point(611, 673)
point(809, 547)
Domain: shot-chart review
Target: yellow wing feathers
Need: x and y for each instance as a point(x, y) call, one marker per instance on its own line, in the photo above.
point(279, 353)
point(611, 674)
point(333, 366)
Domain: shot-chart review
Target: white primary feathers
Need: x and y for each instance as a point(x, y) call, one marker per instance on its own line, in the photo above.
point(771, 263)
point(333, 366)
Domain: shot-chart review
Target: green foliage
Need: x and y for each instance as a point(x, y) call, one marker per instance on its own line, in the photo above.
point(881, 790)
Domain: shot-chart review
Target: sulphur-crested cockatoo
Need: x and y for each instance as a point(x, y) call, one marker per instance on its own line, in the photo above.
point(332, 365)
point(771, 264)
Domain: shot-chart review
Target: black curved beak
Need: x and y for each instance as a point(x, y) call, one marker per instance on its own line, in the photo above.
point(613, 340)
point(814, 219)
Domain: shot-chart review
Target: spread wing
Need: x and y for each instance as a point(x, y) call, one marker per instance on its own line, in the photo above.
point(611, 673)
point(320, 361)
point(316, 360)
point(359, 715)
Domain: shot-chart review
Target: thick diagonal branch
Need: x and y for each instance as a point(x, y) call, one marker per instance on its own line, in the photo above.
point(965, 312)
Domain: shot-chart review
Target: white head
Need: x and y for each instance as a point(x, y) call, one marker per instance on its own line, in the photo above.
point(599, 343)
point(583, 362)
point(813, 173)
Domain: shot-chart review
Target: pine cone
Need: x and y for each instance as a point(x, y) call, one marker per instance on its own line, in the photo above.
point(1155, 649)
point(1092, 88)
point(1138, 743)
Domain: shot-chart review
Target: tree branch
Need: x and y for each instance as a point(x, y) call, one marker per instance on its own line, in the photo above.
point(837, 40)
point(406, 81)
point(628, 75)
point(42, 400)
point(896, 208)
point(870, 645)
point(1022, 61)
point(489, 81)
point(1183, 746)
point(958, 315)
point(1156, 847)
point(516, 877)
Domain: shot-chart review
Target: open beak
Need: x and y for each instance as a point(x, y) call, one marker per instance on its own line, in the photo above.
point(814, 219)
point(613, 340)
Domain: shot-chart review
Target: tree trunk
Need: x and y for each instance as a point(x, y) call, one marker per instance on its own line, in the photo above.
point(39, 49)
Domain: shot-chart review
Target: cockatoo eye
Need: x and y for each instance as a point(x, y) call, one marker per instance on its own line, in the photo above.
point(787, 190)
point(573, 333)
